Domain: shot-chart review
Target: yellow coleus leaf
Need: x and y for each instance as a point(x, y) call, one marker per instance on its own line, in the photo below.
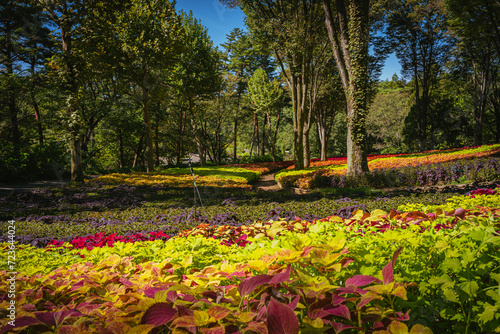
point(400, 291)
point(201, 318)
point(336, 219)
point(420, 329)
point(382, 289)
point(316, 323)
point(397, 327)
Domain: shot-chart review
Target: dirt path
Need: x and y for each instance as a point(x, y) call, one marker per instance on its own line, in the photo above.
point(266, 183)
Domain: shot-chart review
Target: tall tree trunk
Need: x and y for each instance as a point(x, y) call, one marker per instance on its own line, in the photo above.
point(120, 147)
point(349, 39)
point(38, 121)
point(147, 125)
point(11, 100)
point(307, 149)
point(157, 146)
point(257, 135)
point(35, 104)
point(201, 149)
point(253, 134)
point(180, 138)
point(263, 149)
point(138, 153)
point(16, 136)
point(272, 136)
point(235, 156)
point(481, 81)
point(76, 140)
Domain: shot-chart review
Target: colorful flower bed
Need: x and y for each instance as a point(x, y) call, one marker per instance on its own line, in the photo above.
point(318, 176)
point(265, 167)
point(417, 271)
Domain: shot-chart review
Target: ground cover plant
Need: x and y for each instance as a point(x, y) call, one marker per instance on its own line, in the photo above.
point(331, 273)
point(404, 170)
point(109, 258)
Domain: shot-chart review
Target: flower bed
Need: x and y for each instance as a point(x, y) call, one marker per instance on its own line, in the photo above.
point(318, 176)
point(370, 272)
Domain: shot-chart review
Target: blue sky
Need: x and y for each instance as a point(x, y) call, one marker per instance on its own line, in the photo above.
point(220, 21)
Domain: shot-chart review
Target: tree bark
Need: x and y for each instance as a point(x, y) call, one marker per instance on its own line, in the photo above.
point(235, 156)
point(253, 134)
point(349, 39)
point(38, 120)
point(120, 147)
point(76, 140)
point(157, 147)
point(138, 152)
point(147, 125)
point(11, 100)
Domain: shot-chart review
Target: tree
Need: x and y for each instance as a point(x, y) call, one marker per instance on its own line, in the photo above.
point(151, 39)
point(266, 96)
point(243, 57)
point(348, 28)
point(422, 45)
point(387, 115)
point(81, 25)
point(330, 101)
point(467, 21)
point(197, 73)
point(20, 27)
point(237, 52)
point(294, 31)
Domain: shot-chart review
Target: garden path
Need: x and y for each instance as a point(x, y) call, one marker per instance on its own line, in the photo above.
point(267, 183)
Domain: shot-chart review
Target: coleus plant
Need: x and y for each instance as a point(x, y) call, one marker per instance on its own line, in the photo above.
point(271, 295)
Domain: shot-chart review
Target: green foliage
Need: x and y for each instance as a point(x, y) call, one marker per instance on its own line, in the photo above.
point(36, 162)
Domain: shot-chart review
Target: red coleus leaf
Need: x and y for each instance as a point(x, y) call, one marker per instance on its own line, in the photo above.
point(387, 271)
point(282, 277)
point(257, 327)
point(150, 292)
point(246, 287)
point(341, 311)
point(281, 319)
point(214, 330)
point(54, 319)
point(339, 327)
point(361, 280)
point(460, 213)
point(19, 323)
point(158, 314)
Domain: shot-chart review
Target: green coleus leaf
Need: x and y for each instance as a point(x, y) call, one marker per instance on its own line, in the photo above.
point(469, 287)
point(489, 312)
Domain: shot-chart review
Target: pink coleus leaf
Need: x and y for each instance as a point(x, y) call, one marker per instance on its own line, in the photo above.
point(387, 271)
point(246, 287)
point(281, 319)
point(158, 314)
point(460, 213)
point(361, 280)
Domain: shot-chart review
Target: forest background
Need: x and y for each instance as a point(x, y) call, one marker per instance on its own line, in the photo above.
point(98, 86)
